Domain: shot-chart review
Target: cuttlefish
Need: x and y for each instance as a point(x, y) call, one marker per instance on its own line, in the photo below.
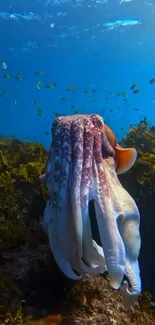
point(83, 163)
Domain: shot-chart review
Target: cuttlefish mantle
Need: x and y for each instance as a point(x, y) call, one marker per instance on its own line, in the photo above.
point(83, 163)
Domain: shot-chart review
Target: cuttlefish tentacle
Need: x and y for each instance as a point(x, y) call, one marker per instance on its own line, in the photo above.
point(106, 217)
point(92, 260)
point(64, 265)
point(129, 230)
point(54, 207)
point(130, 294)
point(81, 168)
point(63, 178)
point(128, 225)
point(76, 174)
point(84, 192)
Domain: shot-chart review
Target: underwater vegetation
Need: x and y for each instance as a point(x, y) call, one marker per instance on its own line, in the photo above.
point(20, 166)
point(32, 288)
point(142, 138)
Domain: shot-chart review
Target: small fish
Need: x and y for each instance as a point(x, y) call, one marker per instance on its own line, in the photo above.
point(106, 97)
point(18, 76)
point(72, 106)
point(39, 73)
point(136, 109)
point(94, 91)
point(120, 93)
point(152, 81)
point(86, 91)
point(36, 102)
point(4, 65)
point(136, 91)
point(77, 111)
point(133, 87)
point(6, 76)
point(70, 89)
point(63, 99)
point(52, 85)
point(40, 112)
point(38, 84)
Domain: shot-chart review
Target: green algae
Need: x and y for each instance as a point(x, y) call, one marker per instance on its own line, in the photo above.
point(31, 285)
point(20, 166)
point(142, 138)
point(16, 318)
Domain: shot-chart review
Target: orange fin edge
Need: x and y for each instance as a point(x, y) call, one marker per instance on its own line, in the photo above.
point(125, 158)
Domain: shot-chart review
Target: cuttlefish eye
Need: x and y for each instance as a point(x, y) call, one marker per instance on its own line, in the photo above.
point(124, 157)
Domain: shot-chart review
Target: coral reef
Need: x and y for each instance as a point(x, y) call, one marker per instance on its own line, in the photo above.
point(33, 291)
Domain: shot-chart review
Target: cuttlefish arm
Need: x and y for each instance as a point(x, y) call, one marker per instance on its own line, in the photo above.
point(50, 229)
point(128, 224)
point(129, 230)
point(127, 219)
point(120, 236)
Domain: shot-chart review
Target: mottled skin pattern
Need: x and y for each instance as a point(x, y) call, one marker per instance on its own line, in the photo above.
point(81, 168)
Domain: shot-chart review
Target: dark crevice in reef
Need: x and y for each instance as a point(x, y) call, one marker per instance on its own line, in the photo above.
point(31, 283)
point(93, 222)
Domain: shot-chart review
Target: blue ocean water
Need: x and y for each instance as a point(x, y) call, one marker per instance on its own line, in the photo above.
point(97, 48)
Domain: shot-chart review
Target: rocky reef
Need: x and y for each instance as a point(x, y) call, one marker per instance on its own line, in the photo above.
point(32, 288)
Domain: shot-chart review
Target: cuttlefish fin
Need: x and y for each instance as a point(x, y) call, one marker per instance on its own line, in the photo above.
point(125, 158)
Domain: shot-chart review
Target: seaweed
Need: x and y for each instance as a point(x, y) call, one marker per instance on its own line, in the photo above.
point(142, 138)
point(32, 288)
point(17, 318)
point(20, 166)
